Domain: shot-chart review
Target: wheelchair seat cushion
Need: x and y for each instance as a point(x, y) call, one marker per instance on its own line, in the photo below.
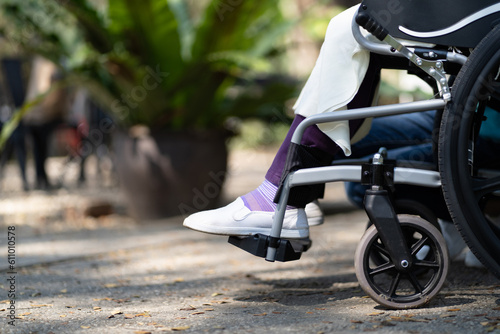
point(459, 23)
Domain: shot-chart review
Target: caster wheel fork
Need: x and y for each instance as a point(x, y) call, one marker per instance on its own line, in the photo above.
point(413, 286)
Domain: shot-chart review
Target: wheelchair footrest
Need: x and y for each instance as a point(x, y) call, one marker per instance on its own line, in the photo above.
point(287, 250)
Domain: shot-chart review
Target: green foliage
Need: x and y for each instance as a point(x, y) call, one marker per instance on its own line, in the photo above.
point(168, 64)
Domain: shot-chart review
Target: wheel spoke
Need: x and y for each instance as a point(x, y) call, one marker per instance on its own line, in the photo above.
point(495, 94)
point(482, 187)
point(418, 245)
point(416, 284)
point(426, 264)
point(394, 285)
point(379, 248)
point(381, 269)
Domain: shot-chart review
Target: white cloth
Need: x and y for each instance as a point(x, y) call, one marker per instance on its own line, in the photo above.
point(336, 77)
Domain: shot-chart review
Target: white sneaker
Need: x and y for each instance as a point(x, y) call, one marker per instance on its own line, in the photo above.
point(314, 214)
point(454, 242)
point(237, 220)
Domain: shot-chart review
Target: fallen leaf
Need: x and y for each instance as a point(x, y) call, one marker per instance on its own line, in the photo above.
point(277, 312)
point(110, 285)
point(447, 315)
point(195, 313)
point(216, 294)
point(356, 321)
point(63, 291)
point(208, 309)
point(188, 309)
point(145, 314)
point(320, 308)
point(309, 312)
point(25, 313)
point(181, 328)
point(260, 315)
point(115, 312)
point(85, 327)
point(453, 310)
point(375, 313)
point(96, 308)
point(41, 305)
point(123, 300)
point(129, 316)
point(142, 332)
point(422, 320)
point(496, 308)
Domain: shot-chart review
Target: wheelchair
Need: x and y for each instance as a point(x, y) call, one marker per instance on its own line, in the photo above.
point(401, 260)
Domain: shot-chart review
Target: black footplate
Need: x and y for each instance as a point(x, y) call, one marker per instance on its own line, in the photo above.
point(287, 250)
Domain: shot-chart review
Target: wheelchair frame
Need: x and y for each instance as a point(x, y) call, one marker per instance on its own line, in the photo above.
point(379, 175)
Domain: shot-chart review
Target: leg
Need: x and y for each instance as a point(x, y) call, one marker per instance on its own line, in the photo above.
point(336, 82)
point(253, 212)
point(20, 150)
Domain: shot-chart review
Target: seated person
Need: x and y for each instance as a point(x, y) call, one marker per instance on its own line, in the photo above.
point(345, 76)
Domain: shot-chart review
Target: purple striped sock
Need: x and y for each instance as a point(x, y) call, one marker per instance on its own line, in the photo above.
point(262, 198)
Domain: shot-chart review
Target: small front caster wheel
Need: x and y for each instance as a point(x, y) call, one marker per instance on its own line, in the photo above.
point(416, 285)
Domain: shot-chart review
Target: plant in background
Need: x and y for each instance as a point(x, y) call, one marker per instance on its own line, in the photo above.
point(181, 68)
point(166, 64)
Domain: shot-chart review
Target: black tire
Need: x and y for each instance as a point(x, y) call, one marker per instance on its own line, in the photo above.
point(408, 207)
point(470, 194)
point(416, 286)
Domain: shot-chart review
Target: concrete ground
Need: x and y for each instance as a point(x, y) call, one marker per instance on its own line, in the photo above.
point(77, 274)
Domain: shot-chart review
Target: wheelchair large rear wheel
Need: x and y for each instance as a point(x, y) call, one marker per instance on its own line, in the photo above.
point(469, 156)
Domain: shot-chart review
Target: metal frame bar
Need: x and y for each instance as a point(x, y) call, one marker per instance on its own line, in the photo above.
point(350, 173)
point(402, 175)
point(377, 111)
point(386, 49)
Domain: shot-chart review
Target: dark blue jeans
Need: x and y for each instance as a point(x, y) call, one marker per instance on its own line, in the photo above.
point(407, 137)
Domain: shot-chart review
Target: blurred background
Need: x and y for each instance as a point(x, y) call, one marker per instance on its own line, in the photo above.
point(135, 107)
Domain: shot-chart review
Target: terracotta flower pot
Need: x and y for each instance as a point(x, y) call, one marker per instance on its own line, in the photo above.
point(169, 174)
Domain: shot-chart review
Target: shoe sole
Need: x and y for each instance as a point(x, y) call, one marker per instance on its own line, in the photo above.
point(315, 221)
point(240, 232)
